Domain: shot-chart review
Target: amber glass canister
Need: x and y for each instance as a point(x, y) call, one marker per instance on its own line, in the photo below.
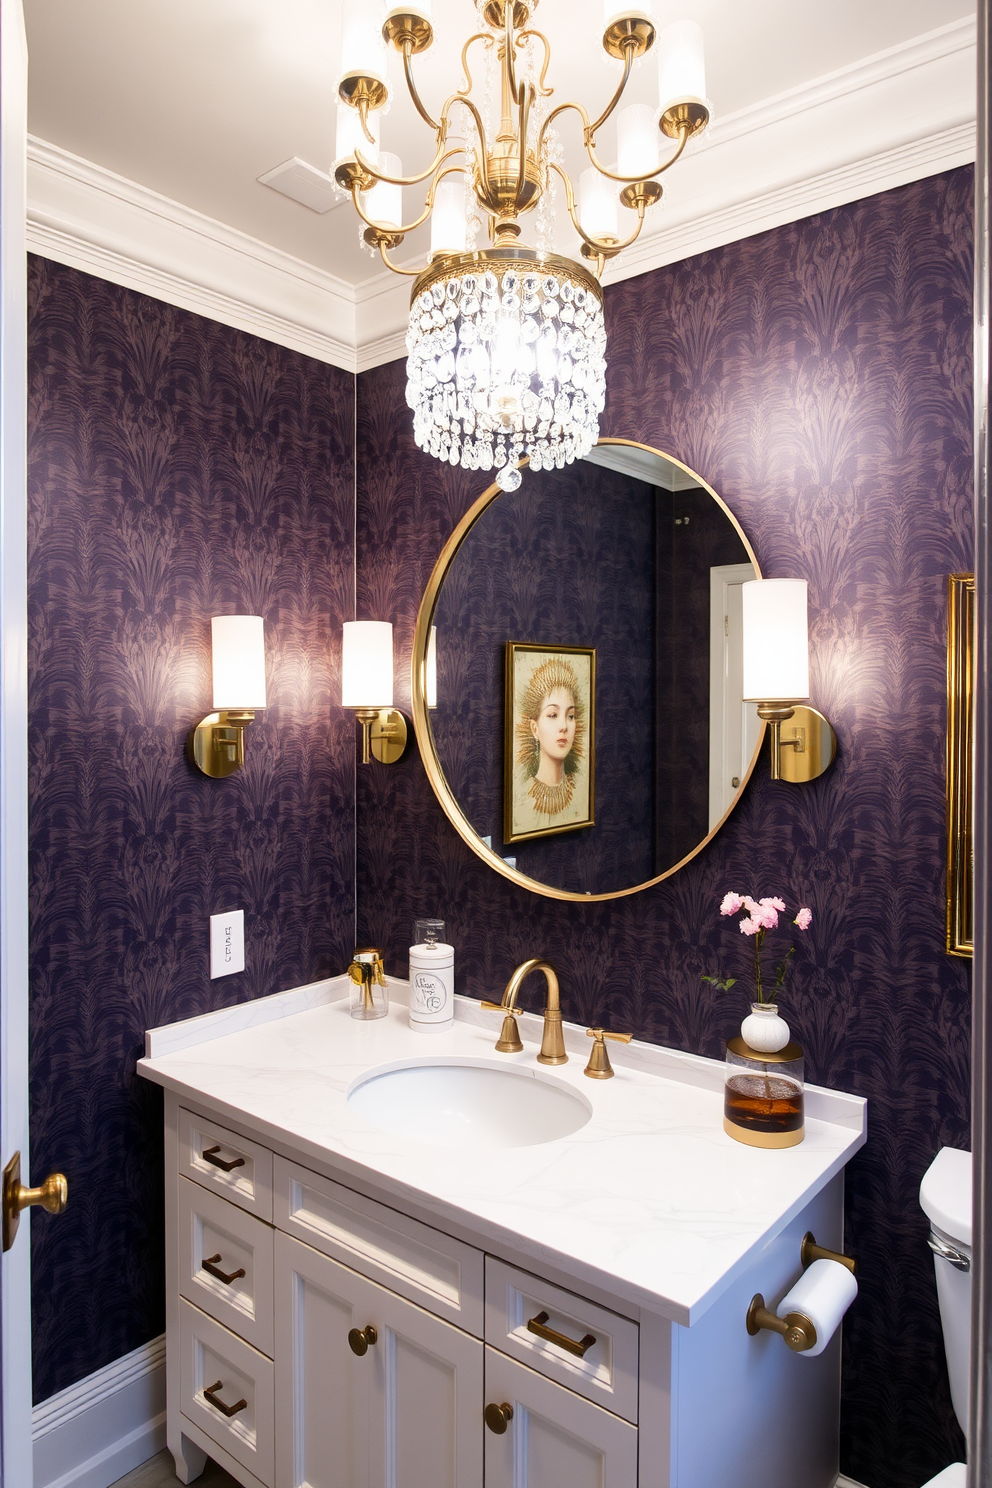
point(763, 1095)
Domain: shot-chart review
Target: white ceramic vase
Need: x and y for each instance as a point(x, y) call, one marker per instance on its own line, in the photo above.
point(763, 1030)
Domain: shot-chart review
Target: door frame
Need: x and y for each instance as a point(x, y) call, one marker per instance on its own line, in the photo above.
point(16, 1468)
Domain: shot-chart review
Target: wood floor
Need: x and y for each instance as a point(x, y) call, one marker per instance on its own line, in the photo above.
point(160, 1472)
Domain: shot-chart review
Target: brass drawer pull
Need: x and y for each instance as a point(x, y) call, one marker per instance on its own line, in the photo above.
point(225, 1410)
point(497, 1417)
point(211, 1265)
point(210, 1155)
point(360, 1340)
point(537, 1325)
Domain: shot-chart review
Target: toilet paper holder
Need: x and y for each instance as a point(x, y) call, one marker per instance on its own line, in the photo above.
point(796, 1328)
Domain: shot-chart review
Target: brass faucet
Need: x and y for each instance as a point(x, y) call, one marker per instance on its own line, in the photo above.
point(553, 1042)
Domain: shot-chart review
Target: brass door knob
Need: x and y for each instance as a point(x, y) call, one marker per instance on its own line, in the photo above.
point(360, 1340)
point(53, 1195)
point(498, 1417)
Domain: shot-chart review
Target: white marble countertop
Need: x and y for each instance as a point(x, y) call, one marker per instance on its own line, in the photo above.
point(650, 1200)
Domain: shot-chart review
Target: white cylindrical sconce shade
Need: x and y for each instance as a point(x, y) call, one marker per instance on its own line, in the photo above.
point(431, 669)
point(238, 647)
point(776, 640)
point(637, 141)
point(367, 664)
point(449, 219)
point(384, 203)
point(363, 50)
point(598, 206)
point(681, 65)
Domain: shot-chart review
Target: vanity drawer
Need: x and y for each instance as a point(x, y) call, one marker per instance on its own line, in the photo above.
point(606, 1371)
point(434, 1270)
point(219, 1373)
point(216, 1242)
point(229, 1164)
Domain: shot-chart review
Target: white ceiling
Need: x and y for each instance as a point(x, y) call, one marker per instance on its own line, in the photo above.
point(195, 99)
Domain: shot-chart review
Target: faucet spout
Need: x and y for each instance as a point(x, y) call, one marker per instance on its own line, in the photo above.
point(553, 1042)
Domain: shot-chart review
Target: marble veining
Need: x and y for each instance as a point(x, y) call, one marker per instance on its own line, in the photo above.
point(676, 1211)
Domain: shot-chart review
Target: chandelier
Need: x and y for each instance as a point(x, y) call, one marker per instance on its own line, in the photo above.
point(506, 343)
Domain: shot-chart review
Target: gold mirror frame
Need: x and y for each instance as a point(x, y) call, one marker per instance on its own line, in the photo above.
point(960, 752)
point(421, 715)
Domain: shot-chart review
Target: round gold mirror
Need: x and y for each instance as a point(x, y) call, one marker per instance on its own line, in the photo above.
point(576, 673)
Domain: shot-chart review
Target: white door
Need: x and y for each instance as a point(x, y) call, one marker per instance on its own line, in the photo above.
point(405, 1411)
point(15, 1290)
point(551, 1437)
point(735, 727)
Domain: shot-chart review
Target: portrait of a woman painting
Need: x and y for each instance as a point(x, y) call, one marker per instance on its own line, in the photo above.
point(550, 740)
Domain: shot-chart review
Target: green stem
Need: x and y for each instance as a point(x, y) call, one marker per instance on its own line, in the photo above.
point(759, 937)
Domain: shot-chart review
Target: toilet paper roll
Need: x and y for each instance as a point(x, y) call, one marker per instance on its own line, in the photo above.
point(823, 1293)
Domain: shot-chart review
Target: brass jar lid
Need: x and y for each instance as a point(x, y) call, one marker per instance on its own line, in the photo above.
point(788, 1055)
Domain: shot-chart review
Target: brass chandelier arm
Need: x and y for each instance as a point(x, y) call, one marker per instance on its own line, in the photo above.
point(523, 113)
point(412, 86)
point(378, 175)
point(603, 250)
point(481, 159)
point(684, 136)
point(552, 116)
point(469, 85)
point(543, 92)
point(509, 53)
point(394, 231)
point(396, 269)
point(628, 62)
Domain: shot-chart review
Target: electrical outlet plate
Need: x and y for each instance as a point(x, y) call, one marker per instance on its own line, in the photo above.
point(227, 943)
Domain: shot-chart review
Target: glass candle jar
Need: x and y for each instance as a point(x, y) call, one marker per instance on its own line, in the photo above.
point(763, 1095)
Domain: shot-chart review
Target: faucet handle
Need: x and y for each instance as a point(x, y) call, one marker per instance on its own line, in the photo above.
point(509, 1041)
point(599, 1066)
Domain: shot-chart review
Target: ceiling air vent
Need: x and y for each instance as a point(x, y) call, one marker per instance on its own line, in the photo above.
point(305, 184)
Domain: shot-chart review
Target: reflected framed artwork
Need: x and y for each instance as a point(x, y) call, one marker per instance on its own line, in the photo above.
point(550, 740)
point(960, 747)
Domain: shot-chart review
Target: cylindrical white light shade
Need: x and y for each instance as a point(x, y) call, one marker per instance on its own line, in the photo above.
point(681, 67)
point(449, 219)
point(637, 141)
point(363, 50)
point(384, 203)
point(238, 646)
point(776, 640)
point(350, 135)
point(431, 678)
point(367, 664)
point(598, 206)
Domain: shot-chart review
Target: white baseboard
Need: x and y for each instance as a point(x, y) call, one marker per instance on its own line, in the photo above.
point(842, 1482)
point(94, 1432)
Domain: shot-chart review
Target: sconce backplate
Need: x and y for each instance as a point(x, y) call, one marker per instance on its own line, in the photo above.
point(818, 750)
point(216, 745)
point(387, 737)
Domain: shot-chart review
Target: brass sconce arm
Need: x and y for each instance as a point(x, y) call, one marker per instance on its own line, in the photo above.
point(217, 744)
point(384, 734)
point(807, 750)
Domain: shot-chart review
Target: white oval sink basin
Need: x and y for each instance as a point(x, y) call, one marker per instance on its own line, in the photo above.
point(468, 1103)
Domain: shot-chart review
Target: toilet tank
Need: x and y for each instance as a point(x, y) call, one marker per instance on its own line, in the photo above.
point(945, 1196)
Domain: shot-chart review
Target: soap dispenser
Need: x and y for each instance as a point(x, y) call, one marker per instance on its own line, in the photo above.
point(432, 978)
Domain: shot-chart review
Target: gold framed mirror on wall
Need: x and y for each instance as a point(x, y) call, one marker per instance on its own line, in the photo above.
point(960, 756)
point(627, 555)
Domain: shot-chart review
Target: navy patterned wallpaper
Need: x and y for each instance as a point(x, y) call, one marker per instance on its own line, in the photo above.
point(177, 469)
point(819, 376)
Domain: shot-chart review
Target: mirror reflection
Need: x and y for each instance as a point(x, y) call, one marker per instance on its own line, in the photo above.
point(608, 595)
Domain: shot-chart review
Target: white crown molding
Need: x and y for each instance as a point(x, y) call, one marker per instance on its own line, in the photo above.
point(91, 1434)
point(82, 215)
point(903, 114)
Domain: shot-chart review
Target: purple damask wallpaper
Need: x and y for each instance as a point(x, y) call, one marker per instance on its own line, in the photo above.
point(819, 376)
point(177, 469)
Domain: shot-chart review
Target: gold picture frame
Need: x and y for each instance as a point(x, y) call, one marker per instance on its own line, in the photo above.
point(549, 751)
point(960, 755)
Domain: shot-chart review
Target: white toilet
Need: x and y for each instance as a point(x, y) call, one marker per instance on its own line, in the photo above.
point(945, 1195)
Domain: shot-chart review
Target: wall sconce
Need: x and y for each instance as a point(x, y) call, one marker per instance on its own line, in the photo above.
point(367, 686)
point(776, 677)
point(217, 744)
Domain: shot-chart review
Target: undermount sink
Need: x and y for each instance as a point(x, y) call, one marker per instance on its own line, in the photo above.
point(468, 1103)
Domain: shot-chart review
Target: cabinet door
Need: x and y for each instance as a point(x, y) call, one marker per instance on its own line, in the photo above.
point(555, 1439)
point(405, 1414)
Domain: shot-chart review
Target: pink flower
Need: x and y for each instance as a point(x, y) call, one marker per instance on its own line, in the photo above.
point(750, 927)
point(731, 904)
point(804, 919)
point(763, 913)
point(773, 904)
